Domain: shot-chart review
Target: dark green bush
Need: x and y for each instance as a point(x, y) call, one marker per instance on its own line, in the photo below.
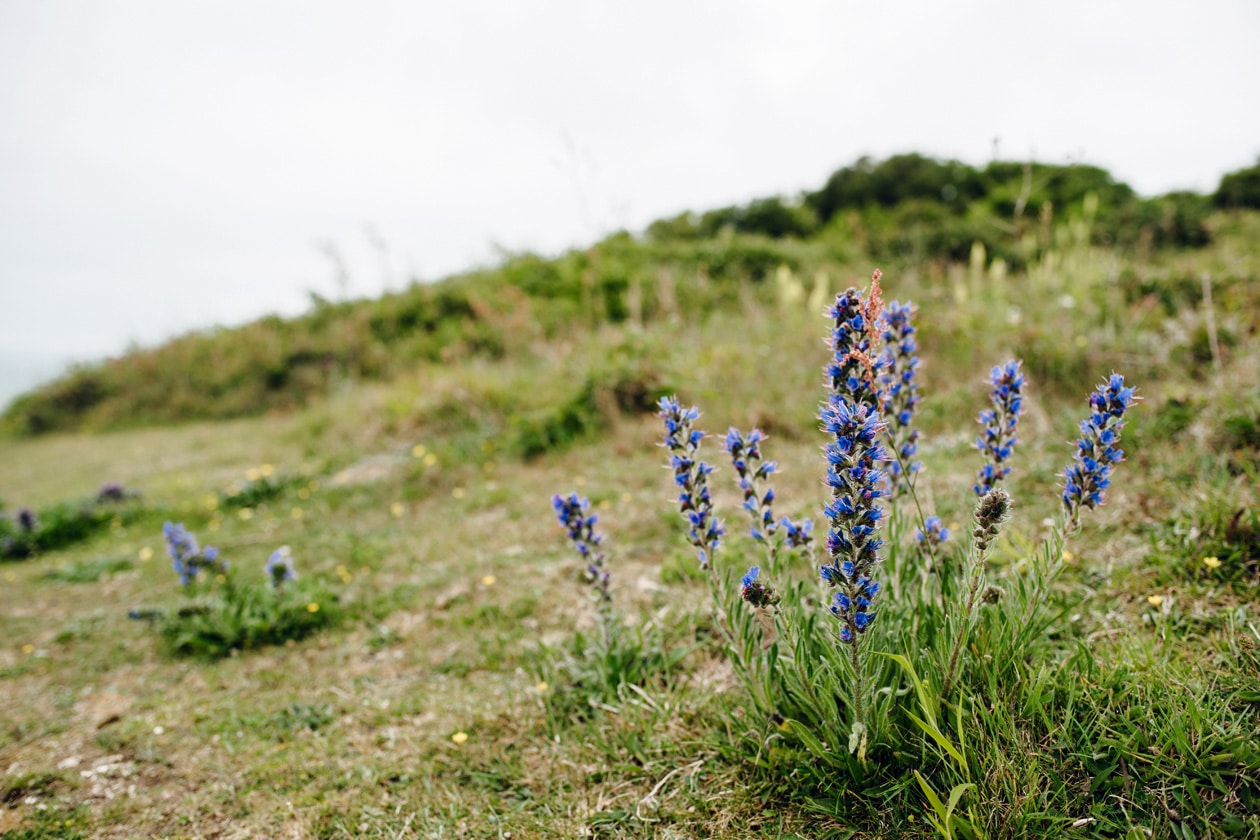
point(1239, 189)
point(231, 618)
point(60, 525)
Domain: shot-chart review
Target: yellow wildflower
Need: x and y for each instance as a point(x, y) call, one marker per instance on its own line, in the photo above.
point(1155, 600)
point(1212, 562)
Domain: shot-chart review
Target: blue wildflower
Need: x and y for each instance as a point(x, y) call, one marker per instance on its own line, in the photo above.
point(755, 592)
point(932, 534)
point(691, 477)
point(998, 439)
point(188, 559)
point(853, 419)
point(280, 567)
point(1089, 476)
point(26, 520)
point(750, 472)
point(900, 392)
point(573, 513)
point(855, 364)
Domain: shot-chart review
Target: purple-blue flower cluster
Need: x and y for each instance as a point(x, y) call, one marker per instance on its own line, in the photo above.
point(998, 439)
point(751, 471)
point(853, 418)
point(279, 567)
point(798, 534)
point(691, 477)
point(932, 534)
point(900, 360)
point(755, 592)
point(187, 558)
point(854, 512)
point(1089, 476)
point(855, 364)
point(26, 520)
point(573, 513)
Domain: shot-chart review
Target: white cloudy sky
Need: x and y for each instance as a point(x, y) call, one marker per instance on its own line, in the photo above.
point(168, 165)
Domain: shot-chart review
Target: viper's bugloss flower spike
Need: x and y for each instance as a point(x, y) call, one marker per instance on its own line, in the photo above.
point(188, 559)
point(900, 392)
point(573, 514)
point(998, 439)
point(1087, 478)
point(750, 473)
point(852, 419)
point(856, 333)
point(705, 530)
point(279, 567)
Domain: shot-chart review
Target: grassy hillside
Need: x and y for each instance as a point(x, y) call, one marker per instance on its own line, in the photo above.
point(450, 680)
point(908, 213)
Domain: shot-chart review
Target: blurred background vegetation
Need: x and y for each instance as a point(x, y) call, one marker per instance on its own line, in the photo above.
point(945, 225)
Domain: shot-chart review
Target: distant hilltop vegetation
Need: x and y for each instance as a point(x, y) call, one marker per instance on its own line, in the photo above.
point(906, 211)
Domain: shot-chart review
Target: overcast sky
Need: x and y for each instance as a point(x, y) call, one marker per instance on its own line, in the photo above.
point(166, 166)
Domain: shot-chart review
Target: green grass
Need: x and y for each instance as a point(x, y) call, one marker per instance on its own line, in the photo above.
point(459, 696)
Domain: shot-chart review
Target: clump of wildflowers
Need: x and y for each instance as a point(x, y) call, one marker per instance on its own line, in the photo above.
point(691, 477)
point(188, 559)
point(1089, 476)
point(572, 511)
point(280, 567)
point(998, 439)
point(900, 392)
point(114, 492)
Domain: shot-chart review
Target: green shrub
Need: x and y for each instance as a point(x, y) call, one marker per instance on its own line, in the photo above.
point(232, 618)
point(1240, 188)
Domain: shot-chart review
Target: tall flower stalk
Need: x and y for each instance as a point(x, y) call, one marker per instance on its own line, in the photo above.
point(691, 475)
point(573, 514)
point(991, 511)
point(853, 421)
point(1089, 475)
point(1086, 480)
point(998, 439)
point(189, 559)
point(901, 394)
